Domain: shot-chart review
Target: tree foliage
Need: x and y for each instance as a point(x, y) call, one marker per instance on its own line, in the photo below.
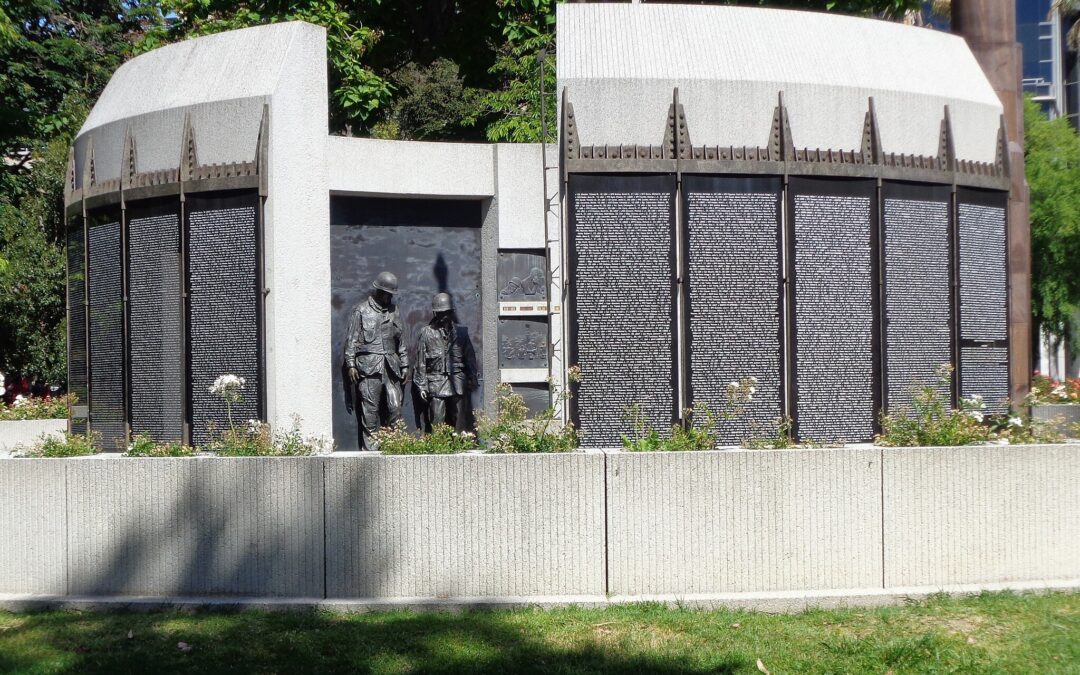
point(1052, 165)
point(58, 55)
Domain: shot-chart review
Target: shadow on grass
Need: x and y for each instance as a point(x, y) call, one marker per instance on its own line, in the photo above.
point(290, 642)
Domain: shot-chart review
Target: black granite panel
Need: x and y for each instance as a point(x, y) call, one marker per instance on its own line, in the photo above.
point(155, 314)
point(918, 314)
point(222, 253)
point(432, 246)
point(834, 223)
point(521, 276)
point(986, 374)
point(76, 306)
point(622, 266)
point(106, 332)
point(984, 362)
point(983, 290)
point(733, 303)
point(537, 397)
point(523, 343)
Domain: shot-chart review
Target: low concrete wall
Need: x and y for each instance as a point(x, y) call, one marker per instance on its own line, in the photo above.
point(24, 433)
point(738, 521)
point(33, 524)
point(724, 527)
point(981, 514)
point(195, 526)
point(465, 527)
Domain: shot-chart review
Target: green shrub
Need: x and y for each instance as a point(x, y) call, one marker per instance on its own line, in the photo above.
point(144, 446)
point(37, 408)
point(443, 440)
point(68, 445)
point(699, 432)
point(930, 421)
point(513, 431)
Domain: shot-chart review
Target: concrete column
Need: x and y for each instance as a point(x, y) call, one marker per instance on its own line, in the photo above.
point(989, 26)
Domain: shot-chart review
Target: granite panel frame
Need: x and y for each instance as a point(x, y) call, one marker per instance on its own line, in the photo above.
point(903, 252)
point(208, 323)
point(835, 425)
point(619, 387)
point(737, 295)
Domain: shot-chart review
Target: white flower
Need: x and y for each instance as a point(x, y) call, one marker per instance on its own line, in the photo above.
point(1058, 390)
point(226, 383)
point(975, 415)
point(733, 385)
point(752, 390)
point(753, 379)
point(20, 400)
point(1015, 422)
point(254, 425)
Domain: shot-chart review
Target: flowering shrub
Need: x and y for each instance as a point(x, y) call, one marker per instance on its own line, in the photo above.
point(1045, 389)
point(255, 439)
point(37, 408)
point(699, 431)
point(443, 440)
point(511, 430)
point(932, 421)
point(1016, 430)
point(144, 446)
point(68, 445)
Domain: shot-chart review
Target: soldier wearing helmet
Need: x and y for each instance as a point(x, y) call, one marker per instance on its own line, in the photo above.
point(445, 364)
point(376, 358)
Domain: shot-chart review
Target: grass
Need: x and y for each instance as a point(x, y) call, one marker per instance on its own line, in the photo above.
point(991, 633)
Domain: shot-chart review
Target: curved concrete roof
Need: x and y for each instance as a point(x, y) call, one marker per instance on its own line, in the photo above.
point(620, 63)
point(221, 81)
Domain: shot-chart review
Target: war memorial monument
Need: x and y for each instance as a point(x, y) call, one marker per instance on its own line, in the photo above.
point(830, 218)
point(817, 201)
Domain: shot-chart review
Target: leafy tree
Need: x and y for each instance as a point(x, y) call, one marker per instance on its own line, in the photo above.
point(431, 102)
point(58, 55)
point(1052, 164)
point(528, 27)
point(32, 327)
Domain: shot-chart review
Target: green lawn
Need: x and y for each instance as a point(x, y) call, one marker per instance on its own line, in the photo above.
point(992, 633)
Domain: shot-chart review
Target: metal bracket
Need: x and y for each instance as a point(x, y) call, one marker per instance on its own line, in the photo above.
point(189, 156)
point(946, 147)
point(781, 146)
point(1001, 160)
point(571, 142)
point(89, 171)
point(129, 169)
point(262, 152)
point(871, 138)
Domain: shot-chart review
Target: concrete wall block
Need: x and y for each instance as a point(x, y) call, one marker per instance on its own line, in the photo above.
point(981, 514)
point(21, 434)
point(733, 521)
point(210, 526)
point(32, 524)
point(466, 526)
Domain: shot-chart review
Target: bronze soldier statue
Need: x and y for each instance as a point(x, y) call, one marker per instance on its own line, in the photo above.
point(445, 365)
point(376, 359)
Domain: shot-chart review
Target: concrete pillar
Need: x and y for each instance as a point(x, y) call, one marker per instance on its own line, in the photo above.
point(989, 26)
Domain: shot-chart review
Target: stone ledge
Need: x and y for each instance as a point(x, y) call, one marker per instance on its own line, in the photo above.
point(776, 602)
